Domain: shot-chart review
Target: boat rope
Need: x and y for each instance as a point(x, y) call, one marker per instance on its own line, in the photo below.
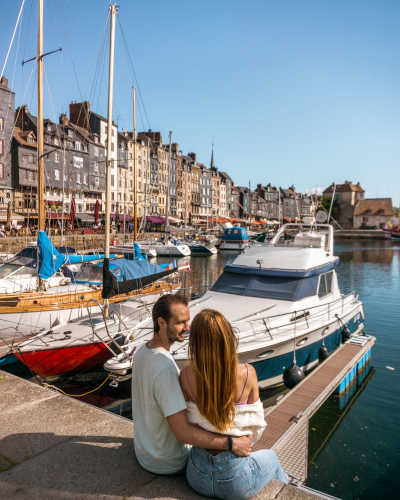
point(79, 395)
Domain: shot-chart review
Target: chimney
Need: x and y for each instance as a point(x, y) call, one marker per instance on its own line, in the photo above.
point(4, 81)
point(79, 114)
point(259, 186)
point(64, 119)
point(192, 156)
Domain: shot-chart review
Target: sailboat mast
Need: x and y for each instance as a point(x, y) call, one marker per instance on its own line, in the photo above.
point(186, 195)
point(40, 119)
point(134, 169)
point(109, 137)
point(169, 168)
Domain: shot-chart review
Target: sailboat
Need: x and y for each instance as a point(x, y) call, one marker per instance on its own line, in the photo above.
point(56, 350)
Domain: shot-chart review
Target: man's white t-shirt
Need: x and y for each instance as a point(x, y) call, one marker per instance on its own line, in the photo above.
point(156, 394)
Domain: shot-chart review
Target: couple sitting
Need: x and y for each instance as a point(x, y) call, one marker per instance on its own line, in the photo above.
point(212, 405)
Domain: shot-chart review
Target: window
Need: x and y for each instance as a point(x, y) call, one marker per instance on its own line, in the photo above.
point(1, 124)
point(112, 180)
point(57, 157)
point(85, 149)
point(1, 147)
point(96, 166)
point(77, 145)
point(84, 178)
point(48, 175)
point(69, 133)
point(56, 141)
point(96, 151)
point(30, 139)
point(78, 178)
point(96, 181)
point(325, 284)
point(31, 158)
point(65, 177)
point(112, 146)
point(1, 171)
point(112, 196)
point(56, 174)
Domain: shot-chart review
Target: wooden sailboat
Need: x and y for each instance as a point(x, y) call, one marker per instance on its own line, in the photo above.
point(47, 354)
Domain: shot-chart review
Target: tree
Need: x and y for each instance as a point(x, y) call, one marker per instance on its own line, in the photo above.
point(326, 201)
point(396, 211)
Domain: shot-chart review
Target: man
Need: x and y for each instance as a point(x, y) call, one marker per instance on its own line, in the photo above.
point(161, 429)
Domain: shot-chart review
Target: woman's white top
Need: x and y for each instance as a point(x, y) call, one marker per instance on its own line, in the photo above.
point(248, 421)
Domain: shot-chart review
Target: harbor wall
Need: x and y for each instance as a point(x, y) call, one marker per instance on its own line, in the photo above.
point(360, 234)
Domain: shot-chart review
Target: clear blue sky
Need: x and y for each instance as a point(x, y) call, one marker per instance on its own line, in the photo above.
point(290, 90)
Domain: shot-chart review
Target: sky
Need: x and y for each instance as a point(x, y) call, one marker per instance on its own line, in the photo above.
point(288, 91)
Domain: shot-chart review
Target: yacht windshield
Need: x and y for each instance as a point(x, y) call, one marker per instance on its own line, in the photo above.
point(7, 269)
point(266, 287)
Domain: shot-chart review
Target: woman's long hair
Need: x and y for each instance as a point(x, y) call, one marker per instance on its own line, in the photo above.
point(213, 358)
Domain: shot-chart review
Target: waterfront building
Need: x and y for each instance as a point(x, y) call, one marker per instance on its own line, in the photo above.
point(195, 185)
point(7, 97)
point(75, 161)
point(81, 115)
point(205, 190)
point(347, 195)
point(372, 213)
point(226, 190)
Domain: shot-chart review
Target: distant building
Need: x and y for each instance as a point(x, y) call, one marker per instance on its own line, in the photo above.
point(6, 134)
point(347, 195)
point(372, 213)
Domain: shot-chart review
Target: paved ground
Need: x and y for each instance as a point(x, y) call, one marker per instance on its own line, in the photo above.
point(53, 447)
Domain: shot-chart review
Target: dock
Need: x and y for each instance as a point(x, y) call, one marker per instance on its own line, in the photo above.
point(288, 421)
point(54, 447)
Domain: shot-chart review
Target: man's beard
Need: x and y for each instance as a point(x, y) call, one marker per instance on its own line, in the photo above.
point(172, 336)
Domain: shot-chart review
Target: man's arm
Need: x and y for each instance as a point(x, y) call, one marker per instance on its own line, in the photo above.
point(186, 433)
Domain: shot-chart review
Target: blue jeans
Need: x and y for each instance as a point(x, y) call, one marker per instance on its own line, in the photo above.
point(231, 477)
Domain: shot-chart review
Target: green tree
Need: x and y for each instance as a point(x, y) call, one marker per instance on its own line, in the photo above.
point(396, 211)
point(325, 201)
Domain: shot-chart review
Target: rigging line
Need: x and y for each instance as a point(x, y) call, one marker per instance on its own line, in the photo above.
point(12, 39)
point(97, 60)
point(12, 81)
point(76, 38)
point(133, 69)
point(69, 49)
point(48, 88)
point(101, 81)
point(100, 60)
point(26, 40)
point(59, 41)
point(83, 33)
point(16, 118)
point(126, 83)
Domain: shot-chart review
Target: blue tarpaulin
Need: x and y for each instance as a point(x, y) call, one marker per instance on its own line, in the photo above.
point(51, 260)
point(122, 269)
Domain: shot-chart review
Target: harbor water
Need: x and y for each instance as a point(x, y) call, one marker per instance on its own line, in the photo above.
point(354, 439)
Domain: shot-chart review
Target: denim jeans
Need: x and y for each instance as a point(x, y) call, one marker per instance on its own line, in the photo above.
point(231, 477)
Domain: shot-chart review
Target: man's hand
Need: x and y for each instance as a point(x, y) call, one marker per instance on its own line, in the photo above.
point(241, 446)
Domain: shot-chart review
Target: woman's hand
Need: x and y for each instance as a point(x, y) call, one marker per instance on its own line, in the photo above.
point(241, 446)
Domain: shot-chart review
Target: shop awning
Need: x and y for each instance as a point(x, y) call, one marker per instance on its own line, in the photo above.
point(84, 217)
point(14, 217)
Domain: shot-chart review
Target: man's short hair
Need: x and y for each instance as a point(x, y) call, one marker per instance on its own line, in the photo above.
point(162, 308)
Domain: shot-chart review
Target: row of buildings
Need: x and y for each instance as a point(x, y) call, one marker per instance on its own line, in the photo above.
point(75, 164)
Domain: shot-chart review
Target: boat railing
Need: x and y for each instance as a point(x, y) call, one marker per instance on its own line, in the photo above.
point(300, 319)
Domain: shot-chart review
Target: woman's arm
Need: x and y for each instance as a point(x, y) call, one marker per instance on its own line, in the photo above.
point(254, 395)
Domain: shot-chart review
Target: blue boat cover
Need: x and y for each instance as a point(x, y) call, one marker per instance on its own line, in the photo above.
point(122, 269)
point(51, 260)
point(138, 253)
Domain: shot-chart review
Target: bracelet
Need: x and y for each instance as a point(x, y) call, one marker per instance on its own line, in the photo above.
point(230, 443)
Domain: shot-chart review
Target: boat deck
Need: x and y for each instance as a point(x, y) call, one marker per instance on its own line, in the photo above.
point(287, 422)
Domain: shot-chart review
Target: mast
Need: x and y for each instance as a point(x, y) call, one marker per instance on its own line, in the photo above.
point(40, 119)
point(113, 9)
point(169, 168)
point(279, 206)
point(134, 169)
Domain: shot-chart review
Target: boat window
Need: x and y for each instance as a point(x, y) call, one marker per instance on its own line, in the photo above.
point(237, 231)
point(7, 269)
point(267, 287)
point(325, 284)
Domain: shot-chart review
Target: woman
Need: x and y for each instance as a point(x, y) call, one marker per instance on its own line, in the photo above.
point(222, 397)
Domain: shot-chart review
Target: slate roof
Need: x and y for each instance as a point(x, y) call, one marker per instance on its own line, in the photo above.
point(374, 207)
point(344, 188)
point(21, 137)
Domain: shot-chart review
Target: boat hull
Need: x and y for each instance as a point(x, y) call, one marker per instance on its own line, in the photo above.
point(233, 247)
point(270, 371)
point(203, 250)
point(55, 362)
point(175, 251)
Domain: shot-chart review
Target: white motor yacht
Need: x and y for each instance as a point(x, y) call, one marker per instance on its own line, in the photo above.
point(171, 248)
point(280, 298)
